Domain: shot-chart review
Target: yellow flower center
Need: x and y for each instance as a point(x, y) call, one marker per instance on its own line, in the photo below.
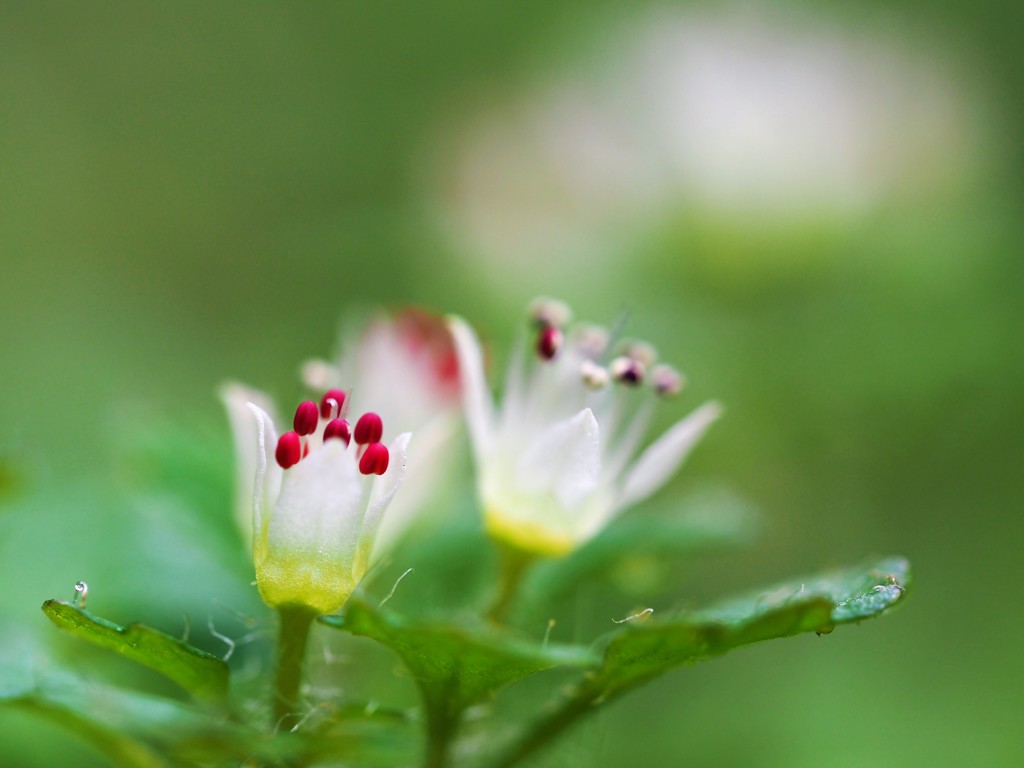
point(527, 535)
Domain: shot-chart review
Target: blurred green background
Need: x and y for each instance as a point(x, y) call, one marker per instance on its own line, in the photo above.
point(815, 210)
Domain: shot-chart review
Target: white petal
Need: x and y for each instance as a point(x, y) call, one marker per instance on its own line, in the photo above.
point(245, 430)
point(627, 440)
point(384, 356)
point(320, 510)
point(266, 480)
point(564, 459)
point(476, 398)
point(385, 489)
point(513, 395)
point(663, 457)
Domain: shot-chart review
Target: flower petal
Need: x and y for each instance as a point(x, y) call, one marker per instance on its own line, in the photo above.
point(305, 551)
point(662, 458)
point(245, 431)
point(383, 492)
point(319, 512)
point(564, 459)
point(266, 480)
point(627, 439)
point(476, 398)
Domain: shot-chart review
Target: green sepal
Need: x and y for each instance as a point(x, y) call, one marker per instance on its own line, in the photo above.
point(201, 674)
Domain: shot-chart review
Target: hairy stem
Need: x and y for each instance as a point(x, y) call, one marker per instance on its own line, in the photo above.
point(295, 623)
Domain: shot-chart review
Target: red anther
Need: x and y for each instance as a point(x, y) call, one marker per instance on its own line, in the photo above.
point(289, 450)
point(369, 429)
point(332, 403)
point(375, 460)
point(631, 376)
point(666, 381)
point(549, 341)
point(306, 417)
point(627, 371)
point(337, 428)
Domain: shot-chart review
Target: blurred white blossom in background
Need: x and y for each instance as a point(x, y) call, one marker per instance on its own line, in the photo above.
point(755, 117)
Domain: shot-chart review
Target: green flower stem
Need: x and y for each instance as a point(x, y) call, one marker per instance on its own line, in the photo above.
point(295, 622)
point(442, 725)
point(513, 565)
point(546, 729)
point(442, 720)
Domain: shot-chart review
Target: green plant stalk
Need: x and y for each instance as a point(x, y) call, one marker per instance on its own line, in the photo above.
point(584, 700)
point(295, 622)
point(442, 724)
point(513, 564)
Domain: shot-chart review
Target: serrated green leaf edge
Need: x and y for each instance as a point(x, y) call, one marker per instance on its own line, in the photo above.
point(815, 604)
point(642, 650)
point(467, 664)
point(198, 672)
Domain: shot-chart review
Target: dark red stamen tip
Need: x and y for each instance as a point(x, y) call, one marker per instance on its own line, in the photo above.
point(332, 403)
point(289, 450)
point(667, 381)
point(369, 429)
point(627, 371)
point(631, 376)
point(306, 417)
point(375, 459)
point(549, 340)
point(337, 428)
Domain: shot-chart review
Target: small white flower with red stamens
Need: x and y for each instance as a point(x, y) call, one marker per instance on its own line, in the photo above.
point(561, 456)
point(318, 493)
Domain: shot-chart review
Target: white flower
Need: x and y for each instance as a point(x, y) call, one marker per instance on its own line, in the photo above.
point(317, 495)
point(403, 367)
point(560, 457)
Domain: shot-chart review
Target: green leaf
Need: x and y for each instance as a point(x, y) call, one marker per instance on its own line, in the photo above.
point(198, 672)
point(458, 666)
point(136, 730)
point(644, 649)
point(122, 750)
point(133, 730)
